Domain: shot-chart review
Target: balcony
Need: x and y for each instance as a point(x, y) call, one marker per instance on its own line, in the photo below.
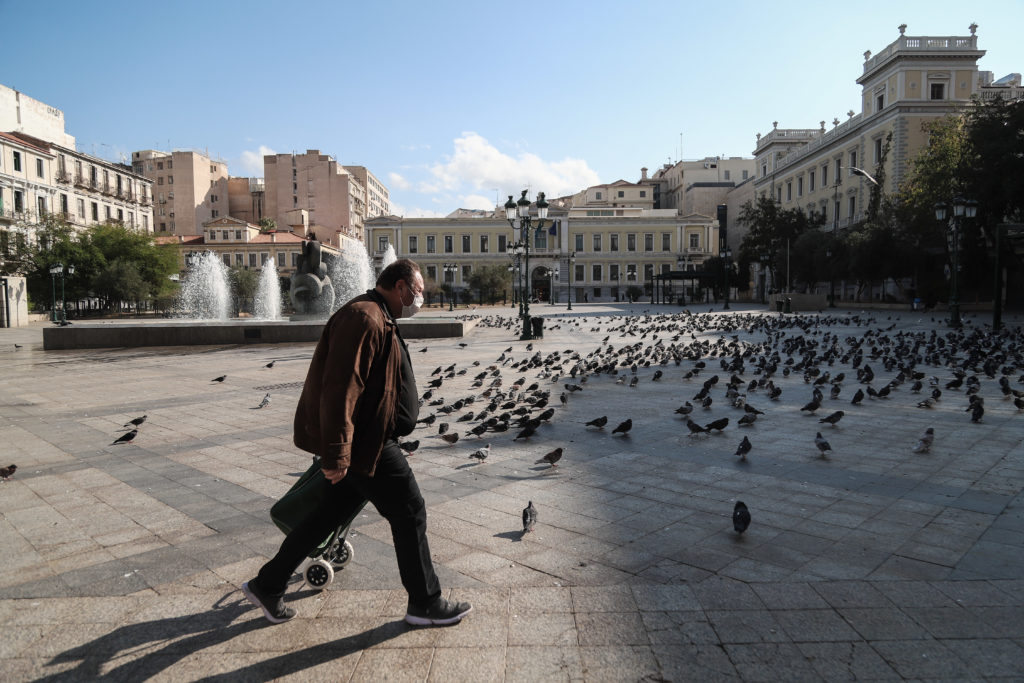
point(64, 177)
point(145, 201)
point(93, 184)
point(80, 181)
point(107, 189)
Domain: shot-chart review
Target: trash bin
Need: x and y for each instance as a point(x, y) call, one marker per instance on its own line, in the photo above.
point(538, 326)
point(789, 305)
point(778, 305)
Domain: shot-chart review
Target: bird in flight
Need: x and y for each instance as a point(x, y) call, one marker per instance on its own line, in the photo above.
point(862, 173)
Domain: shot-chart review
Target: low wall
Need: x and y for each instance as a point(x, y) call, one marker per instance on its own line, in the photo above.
point(203, 333)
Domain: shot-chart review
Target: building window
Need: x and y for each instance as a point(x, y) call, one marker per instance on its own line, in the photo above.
point(839, 170)
point(145, 223)
point(39, 168)
point(431, 244)
point(597, 195)
point(853, 206)
point(41, 206)
point(824, 176)
point(170, 180)
point(280, 259)
point(17, 161)
point(264, 256)
point(432, 273)
point(225, 235)
point(649, 241)
point(694, 241)
point(726, 176)
point(80, 203)
point(789, 191)
point(540, 239)
point(466, 246)
point(648, 271)
point(252, 259)
point(213, 235)
point(120, 216)
point(745, 174)
point(214, 213)
point(878, 150)
point(643, 193)
point(613, 242)
point(596, 272)
point(163, 227)
point(160, 180)
point(578, 240)
point(382, 243)
point(631, 242)
point(239, 259)
point(810, 181)
point(106, 211)
point(238, 235)
point(170, 164)
point(413, 244)
point(800, 187)
point(295, 259)
point(159, 165)
point(666, 241)
point(764, 170)
point(938, 91)
point(621, 193)
point(502, 244)
point(613, 272)
point(780, 195)
point(580, 273)
point(835, 212)
point(853, 159)
point(227, 260)
point(483, 244)
point(449, 244)
point(880, 102)
point(467, 271)
point(597, 242)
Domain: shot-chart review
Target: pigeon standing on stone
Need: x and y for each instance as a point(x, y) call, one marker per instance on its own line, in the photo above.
point(598, 422)
point(409, 446)
point(270, 364)
point(125, 438)
point(450, 438)
point(219, 379)
point(529, 517)
point(822, 444)
point(740, 517)
point(265, 402)
point(744, 448)
point(624, 427)
point(7, 472)
point(481, 453)
point(924, 444)
point(551, 458)
point(136, 422)
point(834, 418)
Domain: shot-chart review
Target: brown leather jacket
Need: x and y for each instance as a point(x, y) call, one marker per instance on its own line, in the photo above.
point(348, 403)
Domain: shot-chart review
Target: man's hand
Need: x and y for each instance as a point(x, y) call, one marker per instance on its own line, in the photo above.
point(334, 475)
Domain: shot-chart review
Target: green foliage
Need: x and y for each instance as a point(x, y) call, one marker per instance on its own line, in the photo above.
point(634, 292)
point(121, 281)
point(244, 284)
point(771, 230)
point(267, 225)
point(489, 281)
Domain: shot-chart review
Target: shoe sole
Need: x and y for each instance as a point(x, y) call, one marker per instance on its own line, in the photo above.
point(256, 601)
point(427, 621)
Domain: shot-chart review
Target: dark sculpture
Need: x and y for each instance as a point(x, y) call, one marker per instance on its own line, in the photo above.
point(311, 289)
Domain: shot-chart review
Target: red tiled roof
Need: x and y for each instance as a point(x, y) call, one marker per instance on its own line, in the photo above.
point(15, 137)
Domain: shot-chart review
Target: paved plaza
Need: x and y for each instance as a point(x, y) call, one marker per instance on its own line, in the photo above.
point(125, 561)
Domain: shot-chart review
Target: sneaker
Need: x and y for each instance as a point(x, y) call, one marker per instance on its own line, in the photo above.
point(440, 613)
point(273, 607)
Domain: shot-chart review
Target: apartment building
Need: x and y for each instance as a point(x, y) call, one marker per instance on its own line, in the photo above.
point(247, 199)
point(39, 178)
point(912, 81)
point(333, 198)
point(378, 199)
point(189, 188)
point(697, 186)
point(594, 249)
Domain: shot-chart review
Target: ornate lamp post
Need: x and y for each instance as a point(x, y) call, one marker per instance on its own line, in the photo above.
point(726, 255)
point(521, 209)
point(55, 270)
point(450, 269)
point(572, 266)
point(961, 208)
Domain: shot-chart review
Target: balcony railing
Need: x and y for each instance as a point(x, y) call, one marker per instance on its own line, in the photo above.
point(63, 177)
point(94, 184)
point(81, 181)
point(107, 189)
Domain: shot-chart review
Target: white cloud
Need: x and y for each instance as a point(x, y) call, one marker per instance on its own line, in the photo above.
point(476, 201)
point(481, 165)
point(398, 181)
point(416, 212)
point(252, 161)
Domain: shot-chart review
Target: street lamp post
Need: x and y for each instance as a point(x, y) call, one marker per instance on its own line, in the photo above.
point(961, 208)
point(572, 266)
point(55, 270)
point(835, 228)
point(450, 269)
point(727, 263)
point(521, 209)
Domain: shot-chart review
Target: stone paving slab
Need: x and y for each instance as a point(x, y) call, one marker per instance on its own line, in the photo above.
point(125, 561)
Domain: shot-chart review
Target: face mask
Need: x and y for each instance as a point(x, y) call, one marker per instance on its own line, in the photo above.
point(409, 311)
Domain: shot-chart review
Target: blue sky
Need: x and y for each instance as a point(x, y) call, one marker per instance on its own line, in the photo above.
point(454, 103)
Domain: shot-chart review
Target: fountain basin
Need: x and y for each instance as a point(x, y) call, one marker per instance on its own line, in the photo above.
point(120, 334)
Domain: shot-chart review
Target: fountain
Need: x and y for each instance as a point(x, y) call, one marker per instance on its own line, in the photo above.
point(389, 256)
point(352, 272)
point(205, 294)
point(268, 293)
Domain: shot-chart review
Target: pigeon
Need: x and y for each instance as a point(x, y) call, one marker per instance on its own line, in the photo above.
point(924, 444)
point(833, 418)
point(977, 410)
point(551, 458)
point(717, 425)
point(685, 409)
point(450, 438)
point(7, 472)
point(527, 432)
point(270, 364)
point(822, 444)
point(463, 345)
point(428, 420)
point(219, 379)
point(694, 427)
point(927, 403)
point(265, 402)
point(17, 346)
point(598, 422)
point(573, 387)
point(529, 517)
point(125, 438)
point(478, 431)
point(624, 427)
point(744, 448)
point(481, 453)
point(409, 446)
point(442, 428)
point(137, 421)
point(747, 419)
point(633, 382)
point(563, 398)
point(811, 406)
point(740, 517)
point(423, 350)
point(858, 397)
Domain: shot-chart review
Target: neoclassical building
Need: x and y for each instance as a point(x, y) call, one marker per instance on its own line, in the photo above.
point(593, 251)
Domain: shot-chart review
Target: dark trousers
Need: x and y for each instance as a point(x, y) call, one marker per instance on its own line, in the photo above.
point(395, 494)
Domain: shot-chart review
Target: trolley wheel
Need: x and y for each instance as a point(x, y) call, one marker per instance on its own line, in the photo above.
point(319, 573)
point(341, 554)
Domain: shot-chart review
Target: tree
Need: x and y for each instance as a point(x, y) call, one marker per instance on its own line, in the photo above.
point(244, 283)
point(120, 281)
point(771, 231)
point(267, 225)
point(489, 280)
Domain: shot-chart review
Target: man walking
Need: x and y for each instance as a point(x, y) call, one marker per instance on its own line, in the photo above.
point(359, 397)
